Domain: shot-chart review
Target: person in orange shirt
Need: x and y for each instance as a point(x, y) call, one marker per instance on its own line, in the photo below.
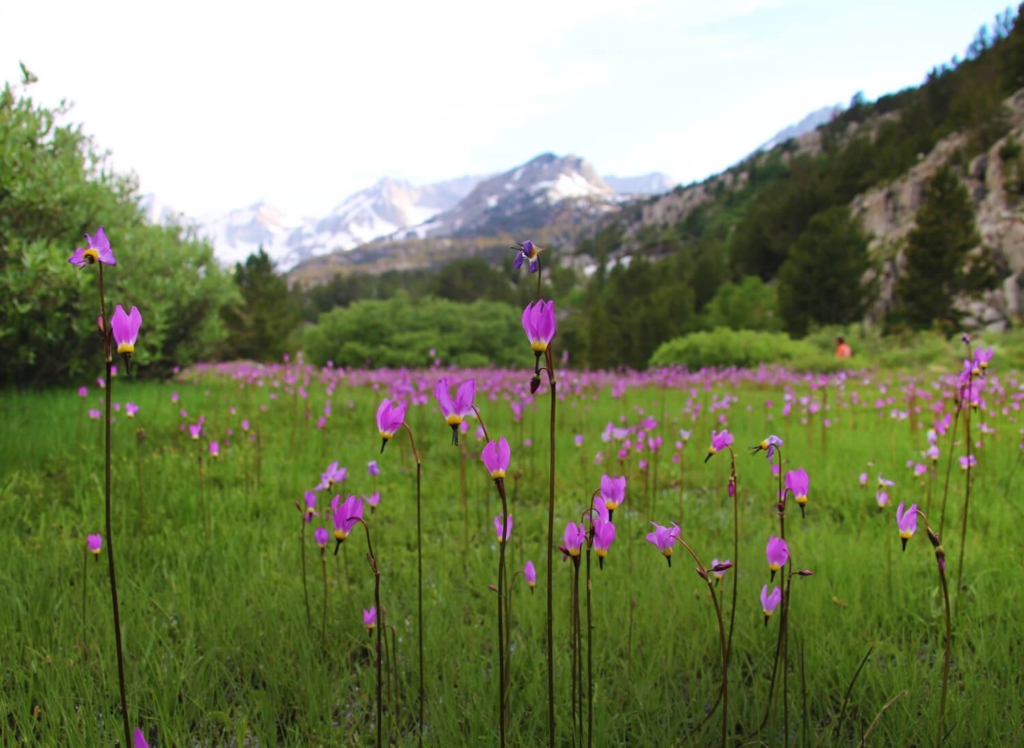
point(843, 349)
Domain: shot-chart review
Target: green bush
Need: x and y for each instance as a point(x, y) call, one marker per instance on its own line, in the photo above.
point(745, 348)
point(402, 331)
point(55, 186)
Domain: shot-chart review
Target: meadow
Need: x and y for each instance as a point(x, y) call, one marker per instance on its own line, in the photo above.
point(222, 650)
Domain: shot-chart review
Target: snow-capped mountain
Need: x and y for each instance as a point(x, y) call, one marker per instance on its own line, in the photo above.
point(381, 210)
point(654, 183)
point(544, 190)
point(548, 190)
point(237, 234)
point(808, 124)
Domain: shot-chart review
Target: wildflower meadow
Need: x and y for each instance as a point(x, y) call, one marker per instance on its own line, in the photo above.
point(250, 554)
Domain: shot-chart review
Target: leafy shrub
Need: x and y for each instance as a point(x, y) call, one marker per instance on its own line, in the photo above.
point(746, 348)
point(54, 186)
point(402, 331)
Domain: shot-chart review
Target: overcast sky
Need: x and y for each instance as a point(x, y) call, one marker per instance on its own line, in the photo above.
point(216, 105)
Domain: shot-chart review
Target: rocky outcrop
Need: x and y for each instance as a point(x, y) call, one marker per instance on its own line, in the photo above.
point(991, 177)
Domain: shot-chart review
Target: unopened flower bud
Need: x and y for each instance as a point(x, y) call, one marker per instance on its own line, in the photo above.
point(805, 573)
point(534, 385)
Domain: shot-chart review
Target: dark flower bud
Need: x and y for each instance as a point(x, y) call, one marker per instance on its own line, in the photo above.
point(805, 573)
point(534, 385)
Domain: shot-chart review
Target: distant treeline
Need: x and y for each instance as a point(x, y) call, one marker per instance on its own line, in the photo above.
point(776, 251)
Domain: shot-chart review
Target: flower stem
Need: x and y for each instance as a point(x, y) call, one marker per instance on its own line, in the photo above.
point(419, 577)
point(500, 483)
point(949, 464)
point(552, 385)
point(590, 660)
point(85, 590)
point(372, 561)
point(305, 589)
point(967, 501)
point(110, 554)
point(323, 614)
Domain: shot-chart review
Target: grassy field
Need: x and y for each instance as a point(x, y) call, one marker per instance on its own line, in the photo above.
point(219, 651)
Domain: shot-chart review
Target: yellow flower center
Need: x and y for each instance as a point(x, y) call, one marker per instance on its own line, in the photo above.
point(612, 505)
point(768, 613)
point(96, 552)
point(712, 451)
point(538, 345)
point(91, 255)
point(454, 420)
point(340, 534)
point(774, 567)
point(801, 499)
point(125, 348)
point(497, 474)
point(667, 552)
point(386, 434)
point(906, 534)
point(602, 552)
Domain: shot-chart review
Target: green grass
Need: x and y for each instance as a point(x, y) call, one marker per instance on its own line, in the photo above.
point(219, 652)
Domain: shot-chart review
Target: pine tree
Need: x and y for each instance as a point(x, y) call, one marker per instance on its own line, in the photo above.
point(260, 325)
point(822, 281)
point(939, 268)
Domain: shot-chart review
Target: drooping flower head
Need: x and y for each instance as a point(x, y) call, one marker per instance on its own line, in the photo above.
point(572, 541)
point(370, 617)
point(719, 440)
point(799, 484)
point(97, 250)
point(770, 601)
point(390, 417)
point(125, 329)
point(906, 522)
point(982, 357)
point(321, 536)
point(530, 574)
point(130, 409)
point(663, 538)
point(777, 553)
point(94, 543)
point(503, 529)
point(332, 476)
point(309, 499)
point(613, 492)
point(527, 251)
point(718, 568)
point(346, 515)
point(454, 411)
point(195, 430)
point(604, 536)
point(539, 324)
point(214, 449)
point(496, 456)
point(139, 739)
point(372, 468)
point(967, 462)
point(768, 444)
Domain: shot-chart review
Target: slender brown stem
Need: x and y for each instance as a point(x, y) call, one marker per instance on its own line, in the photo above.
point(305, 589)
point(967, 500)
point(500, 484)
point(949, 463)
point(487, 436)
point(590, 657)
point(323, 615)
point(948, 653)
point(419, 578)
point(552, 385)
point(725, 663)
point(878, 717)
point(109, 525)
point(372, 561)
point(849, 690)
point(85, 590)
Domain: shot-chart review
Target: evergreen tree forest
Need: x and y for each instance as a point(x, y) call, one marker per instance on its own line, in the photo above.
point(775, 247)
